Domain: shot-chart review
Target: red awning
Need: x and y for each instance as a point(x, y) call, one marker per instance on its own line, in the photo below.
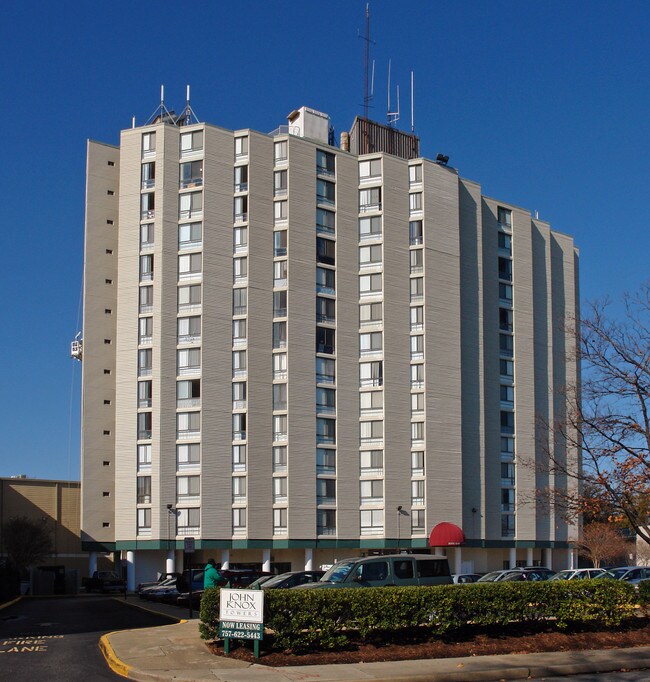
point(446, 535)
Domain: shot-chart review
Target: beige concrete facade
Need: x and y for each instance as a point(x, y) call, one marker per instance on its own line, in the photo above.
point(301, 341)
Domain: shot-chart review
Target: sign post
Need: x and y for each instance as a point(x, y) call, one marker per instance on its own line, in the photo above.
point(188, 548)
point(241, 616)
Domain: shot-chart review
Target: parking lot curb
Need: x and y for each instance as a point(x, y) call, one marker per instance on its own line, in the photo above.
point(7, 604)
point(114, 663)
point(144, 607)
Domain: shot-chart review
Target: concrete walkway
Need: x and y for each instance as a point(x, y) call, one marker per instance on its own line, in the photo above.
point(177, 652)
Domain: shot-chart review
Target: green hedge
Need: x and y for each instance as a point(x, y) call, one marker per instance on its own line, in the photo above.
point(330, 618)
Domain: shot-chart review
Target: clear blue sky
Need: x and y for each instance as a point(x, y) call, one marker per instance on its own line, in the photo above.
point(546, 104)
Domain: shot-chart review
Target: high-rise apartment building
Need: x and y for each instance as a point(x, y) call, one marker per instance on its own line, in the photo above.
point(295, 352)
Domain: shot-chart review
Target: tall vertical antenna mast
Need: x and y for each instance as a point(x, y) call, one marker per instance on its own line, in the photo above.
point(367, 92)
point(412, 110)
point(392, 116)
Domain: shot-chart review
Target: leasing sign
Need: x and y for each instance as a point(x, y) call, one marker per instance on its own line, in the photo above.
point(241, 614)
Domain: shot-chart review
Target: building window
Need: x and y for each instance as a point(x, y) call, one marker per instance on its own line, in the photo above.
point(325, 251)
point(369, 228)
point(505, 292)
point(504, 217)
point(417, 347)
point(505, 242)
point(325, 371)
point(279, 458)
point(415, 232)
point(188, 425)
point(417, 521)
point(239, 458)
point(188, 488)
point(240, 270)
point(371, 433)
point(241, 149)
point(417, 432)
point(507, 473)
point(417, 403)
point(240, 209)
point(146, 299)
point(506, 344)
point(239, 301)
point(241, 179)
point(369, 256)
point(371, 373)
point(238, 520)
point(370, 199)
point(280, 211)
point(325, 431)
point(507, 394)
point(143, 490)
point(144, 393)
point(280, 297)
point(280, 151)
point(369, 169)
point(325, 162)
point(325, 400)
point(146, 236)
point(417, 463)
point(239, 489)
point(238, 364)
point(417, 288)
point(370, 314)
point(145, 330)
point(417, 493)
point(191, 174)
point(144, 425)
point(279, 243)
point(279, 335)
point(415, 202)
point(370, 285)
point(417, 376)
point(189, 266)
point(325, 340)
point(507, 422)
point(190, 205)
point(371, 402)
point(280, 396)
point(144, 457)
point(188, 361)
point(507, 447)
point(372, 521)
point(325, 192)
point(145, 357)
point(189, 329)
point(372, 492)
point(325, 281)
point(417, 318)
point(325, 491)
point(325, 461)
point(279, 489)
point(147, 206)
point(505, 269)
point(148, 175)
point(239, 395)
point(508, 525)
point(144, 522)
point(325, 310)
point(188, 521)
point(507, 499)
point(416, 261)
point(188, 393)
point(190, 235)
point(326, 522)
point(146, 268)
point(148, 144)
point(370, 343)
point(371, 462)
point(415, 174)
point(325, 221)
point(280, 183)
point(240, 239)
point(280, 427)
point(191, 142)
point(506, 368)
point(505, 319)
point(280, 366)
point(239, 332)
point(188, 455)
point(279, 521)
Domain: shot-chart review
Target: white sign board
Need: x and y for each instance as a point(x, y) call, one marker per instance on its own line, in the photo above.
point(245, 606)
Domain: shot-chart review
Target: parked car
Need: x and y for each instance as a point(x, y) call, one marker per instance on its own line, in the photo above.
point(581, 574)
point(234, 577)
point(464, 578)
point(631, 574)
point(292, 579)
point(493, 576)
point(104, 581)
point(165, 591)
point(386, 571)
point(161, 579)
point(260, 581)
point(525, 574)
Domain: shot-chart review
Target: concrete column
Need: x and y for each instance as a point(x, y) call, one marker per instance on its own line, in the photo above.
point(529, 556)
point(309, 559)
point(266, 560)
point(225, 559)
point(572, 558)
point(130, 570)
point(458, 560)
point(170, 563)
point(512, 556)
point(92, 563)
point(547, 557)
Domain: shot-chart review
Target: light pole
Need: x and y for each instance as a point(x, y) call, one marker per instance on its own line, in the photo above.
point(171, 511)
point(399, 523)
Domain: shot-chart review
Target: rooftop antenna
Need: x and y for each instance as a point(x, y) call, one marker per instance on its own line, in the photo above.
point(189, 112)
point(368, 94)
point(393, 116)
point(161, 111)
point(412, 110)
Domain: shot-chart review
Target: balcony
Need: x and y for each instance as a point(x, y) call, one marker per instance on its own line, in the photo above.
point(190, 245)
point(189, 338)
point(280, 437)
point(241, 217)
point(144, 434)
point(144, 371)
point(324, 289)
point(377, 381)
point(145, 340)
point(147, 215)
point(367, 208)
point(239, 435)
point(191, 182)
point(241, 187)
point(188, 402)
point(325, 409)
point(188, 371)
point(188, 435)
point(372, 530)
point(326, 530)
point(327, 501)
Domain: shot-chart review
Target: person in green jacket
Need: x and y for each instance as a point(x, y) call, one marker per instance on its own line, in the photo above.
point(211, 576)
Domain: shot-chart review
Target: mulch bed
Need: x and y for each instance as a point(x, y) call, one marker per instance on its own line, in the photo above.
point(514, 639)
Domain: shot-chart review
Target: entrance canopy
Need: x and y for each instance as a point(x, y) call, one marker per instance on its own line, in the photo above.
point(446, 535)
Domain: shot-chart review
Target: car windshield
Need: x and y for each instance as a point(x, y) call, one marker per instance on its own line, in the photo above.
point(339, 572)
point(275, 579)
point(618, 573)
point(562, 575)
point(489, 577)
